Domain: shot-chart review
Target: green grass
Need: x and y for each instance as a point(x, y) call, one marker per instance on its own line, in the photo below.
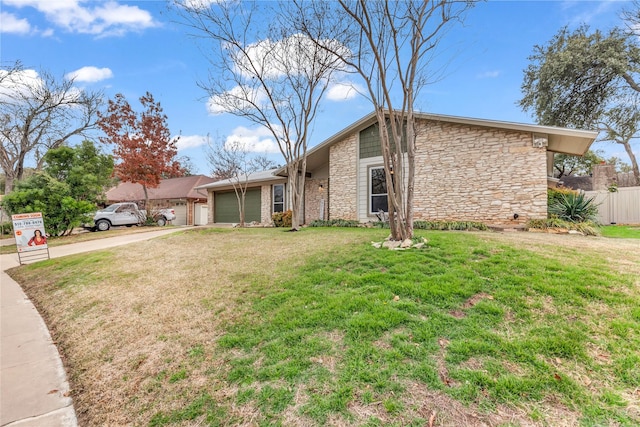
point(535, 314)
point(465, 322)
point(621, 231)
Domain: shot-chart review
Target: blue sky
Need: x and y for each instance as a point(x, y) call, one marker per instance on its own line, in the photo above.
point(132, 47)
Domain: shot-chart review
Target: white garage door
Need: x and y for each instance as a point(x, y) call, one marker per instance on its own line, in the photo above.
point(181, 214)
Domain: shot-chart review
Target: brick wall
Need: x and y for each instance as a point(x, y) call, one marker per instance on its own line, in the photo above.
point(343, 176)
point(210, 206)
point(313, 199)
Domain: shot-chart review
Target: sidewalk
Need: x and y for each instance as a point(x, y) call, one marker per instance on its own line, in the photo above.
point(34, 390)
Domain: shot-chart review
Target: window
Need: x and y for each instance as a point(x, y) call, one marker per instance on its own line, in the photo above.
point(377, 191)
point(278, 198)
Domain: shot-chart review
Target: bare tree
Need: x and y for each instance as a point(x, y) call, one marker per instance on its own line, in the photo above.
point(263, 71)
point(232, 160)
point(391, 42)
point(39, 113)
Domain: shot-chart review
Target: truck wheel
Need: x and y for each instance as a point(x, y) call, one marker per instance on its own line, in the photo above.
point(162, 221)
point(103, 225)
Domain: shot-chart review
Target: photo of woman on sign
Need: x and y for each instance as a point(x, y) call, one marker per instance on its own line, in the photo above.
point(37, 239)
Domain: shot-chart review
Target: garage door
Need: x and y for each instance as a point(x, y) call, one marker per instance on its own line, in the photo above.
point(181, 214)
point(226, 206)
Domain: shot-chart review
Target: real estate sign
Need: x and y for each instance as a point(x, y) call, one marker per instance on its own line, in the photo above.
point(28, 230)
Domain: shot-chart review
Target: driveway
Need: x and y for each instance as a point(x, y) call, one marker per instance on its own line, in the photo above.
point(34, 390)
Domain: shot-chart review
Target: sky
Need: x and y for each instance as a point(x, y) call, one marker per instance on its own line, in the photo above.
point(133, 47)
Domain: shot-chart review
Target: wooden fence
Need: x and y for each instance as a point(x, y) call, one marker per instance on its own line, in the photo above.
point(620, 207)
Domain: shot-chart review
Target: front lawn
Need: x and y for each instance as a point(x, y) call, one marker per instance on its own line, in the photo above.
point(264, 327)
point(621, 231)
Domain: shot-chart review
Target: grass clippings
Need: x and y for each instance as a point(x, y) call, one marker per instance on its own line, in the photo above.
point(263, 327)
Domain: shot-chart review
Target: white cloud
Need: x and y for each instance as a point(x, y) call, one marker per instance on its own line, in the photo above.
point(343, 91)
point(191, 141)
point(595, 9)
point(198, 4)
point(258, 140)
point(489, 74)
point(13, 24)
point(20, 83)
point(291, 55)
point(88, 17)
point(235, 99)
point(90, 74)
point(28, 83)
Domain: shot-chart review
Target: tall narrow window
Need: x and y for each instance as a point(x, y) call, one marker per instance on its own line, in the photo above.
point(278, 198)
point(377, 191)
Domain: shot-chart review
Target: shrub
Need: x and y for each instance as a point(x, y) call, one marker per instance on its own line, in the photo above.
point(282, 219)
point(588, 228)
point(417, 225)
point(574, 207)
point(335, 223)
point(449, 225)
point(555, 194)
point(6, 228)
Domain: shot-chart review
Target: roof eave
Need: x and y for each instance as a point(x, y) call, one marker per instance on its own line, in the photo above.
point(583, 138)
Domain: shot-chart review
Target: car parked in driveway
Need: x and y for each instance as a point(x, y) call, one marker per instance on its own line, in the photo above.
point(128, 214)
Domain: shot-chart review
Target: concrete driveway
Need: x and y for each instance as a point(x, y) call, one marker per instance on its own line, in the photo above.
point(34, 390)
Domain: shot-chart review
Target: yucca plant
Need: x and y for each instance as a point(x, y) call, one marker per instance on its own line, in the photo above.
point(575, 207)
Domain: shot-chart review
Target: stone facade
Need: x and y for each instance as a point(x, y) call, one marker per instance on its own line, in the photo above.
point(316, 196)
point(463, 173)
point(265, 205)
point(343, 178)
point(472, 173)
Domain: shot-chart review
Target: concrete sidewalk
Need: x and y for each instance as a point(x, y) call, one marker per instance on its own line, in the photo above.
point(33, 385)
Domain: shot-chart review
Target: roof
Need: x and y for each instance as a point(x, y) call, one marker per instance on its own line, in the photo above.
point(560, 140)
point(584, 183)
point(252, 180)
point(174, 188)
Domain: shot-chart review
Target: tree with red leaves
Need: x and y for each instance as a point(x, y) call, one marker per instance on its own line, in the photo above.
point(144, 150)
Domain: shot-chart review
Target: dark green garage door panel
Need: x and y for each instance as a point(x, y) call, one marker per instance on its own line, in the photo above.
point(226, 206)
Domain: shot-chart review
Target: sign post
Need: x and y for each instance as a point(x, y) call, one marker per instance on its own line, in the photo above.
point(31, 239)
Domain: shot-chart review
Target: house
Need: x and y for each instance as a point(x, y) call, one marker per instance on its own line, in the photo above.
point(265, 195)
point(466, 170)
point(603, 177)
point(179, 194)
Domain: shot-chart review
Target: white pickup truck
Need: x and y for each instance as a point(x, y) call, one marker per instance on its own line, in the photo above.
point(128, 214)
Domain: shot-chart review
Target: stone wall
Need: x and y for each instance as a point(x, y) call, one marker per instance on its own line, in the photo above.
point(315, 197)
point(265, 205)
point(210, 206)
point(472, 173)
point(463, 173)
point(343, 177)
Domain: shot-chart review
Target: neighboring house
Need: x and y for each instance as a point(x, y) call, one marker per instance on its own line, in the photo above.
point(603, 177)
point(466, 170)
point(179, 194)
point(265, 195)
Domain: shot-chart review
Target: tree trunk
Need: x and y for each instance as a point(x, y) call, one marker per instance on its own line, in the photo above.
point(296, 171)
point(8, 183)
point(634, 162)
point(242, 209)
point(411, 160)
point(146, 202)
point(400, 227)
